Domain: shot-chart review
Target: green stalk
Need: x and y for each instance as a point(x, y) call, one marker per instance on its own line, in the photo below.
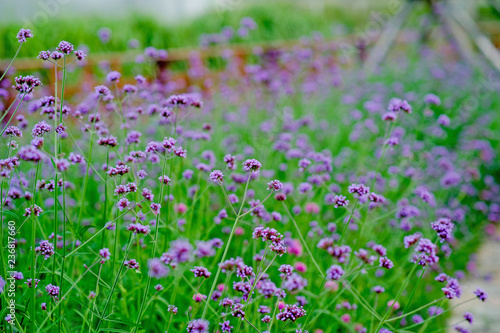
point(6, 112)
point(320, 271)
point(413, 291)
point(155, 245)
point(226, 250)
point(82, 198)
point(11, 62)
point(115, 282)
point(56, 201)
point(13, 114)
point(397, 297)
point(33, 256)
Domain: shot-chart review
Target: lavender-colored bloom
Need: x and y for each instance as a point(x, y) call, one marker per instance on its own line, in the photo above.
point(335, 272)
point(359, 189)
point(217, 177)
point(104, 34)
point(426, 252)
point(435, 311)
point(226, 326)
point(336, 200)
point(385, 262)
point(113, 76)
point(252, 165)
point(444, 120)
point(56, 55)
point(444, 228)
point(44, 55)
point(481, 294)
point(201, 272)
point(469, 317)
point(198, 326)
point(65, 47)
point(291, 312)
point(133, 264)
point(45, 248)
point(102, 90)
point(432, 99)
point(23, 35)
point(26, 84)
point(274, 185)
point(157, 269)
point(52, 291)
point(79, 54)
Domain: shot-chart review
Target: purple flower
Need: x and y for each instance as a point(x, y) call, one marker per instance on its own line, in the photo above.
point(79, 54)
point(444, 228)
point(251, 165)
point(481, 294)
point(336, 200)
point(385, 262)
point(44, 55)
point(45, 248)
point(56, 55)
point(65, 47)
point(274, 185)
point(26, 84)
point(358, 189)
point(217, 176)
point(157, 269)
point(291, 312)
point(113, 76)
point(397, 104)
point(13, 131)
point(198, 326)
point(435, 311)
point(226, 326)
point(335, 272)
point(52, 291)
point(104, 35)
point(201, 272)
point(432, 99)
point(24, 34)
point(102, 90)
point(105, 254)
point(426, 252)
point(133, 264)
point(469, 317)
point(164, 179)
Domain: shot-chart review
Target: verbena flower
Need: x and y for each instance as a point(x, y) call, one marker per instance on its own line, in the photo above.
point(23, 35)
point(65, 47)
point(26, 84)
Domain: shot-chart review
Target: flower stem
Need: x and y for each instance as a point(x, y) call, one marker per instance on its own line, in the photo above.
point(226, 250)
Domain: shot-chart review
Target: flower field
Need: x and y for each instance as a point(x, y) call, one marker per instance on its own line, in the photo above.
point(290, 193)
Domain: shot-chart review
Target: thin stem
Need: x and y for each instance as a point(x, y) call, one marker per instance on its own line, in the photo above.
point(115, 282)
point(249, 323)
point(226, 250)
point(85, 183)
point(397, 297)
point(303, 240)
point(155, 246)
point(11, 62)
point(33, 255)
point(13, 114)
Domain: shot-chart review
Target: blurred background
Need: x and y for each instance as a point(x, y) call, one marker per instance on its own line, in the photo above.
point(172, 23)
point(116, 34)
